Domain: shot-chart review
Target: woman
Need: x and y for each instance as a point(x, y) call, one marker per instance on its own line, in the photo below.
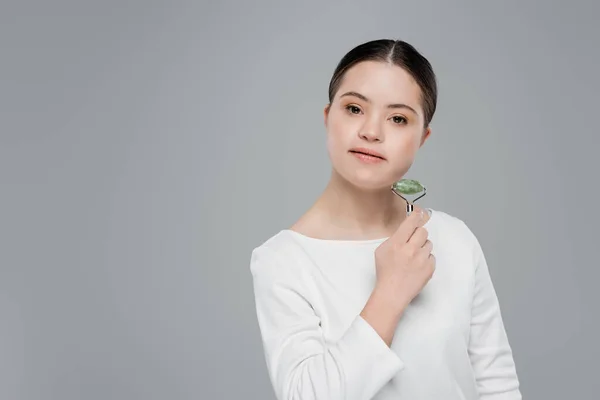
point(359, 299)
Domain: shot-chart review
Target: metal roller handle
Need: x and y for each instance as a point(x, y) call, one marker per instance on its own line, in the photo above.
point(410, 205)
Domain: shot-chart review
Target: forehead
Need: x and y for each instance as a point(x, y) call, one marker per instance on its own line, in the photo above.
point(381, 83)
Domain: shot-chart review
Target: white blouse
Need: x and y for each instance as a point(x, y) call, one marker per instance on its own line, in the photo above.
point(450, 342)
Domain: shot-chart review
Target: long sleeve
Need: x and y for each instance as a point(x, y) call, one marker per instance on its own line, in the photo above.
point(301, 364)
point(489, 348)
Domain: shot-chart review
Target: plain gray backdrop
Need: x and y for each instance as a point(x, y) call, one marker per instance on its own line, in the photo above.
point(147, 147)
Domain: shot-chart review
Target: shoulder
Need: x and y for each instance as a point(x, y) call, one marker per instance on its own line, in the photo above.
point(277, 255)
point(453, 230)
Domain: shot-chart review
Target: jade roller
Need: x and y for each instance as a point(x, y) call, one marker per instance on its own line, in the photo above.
point(405, 187)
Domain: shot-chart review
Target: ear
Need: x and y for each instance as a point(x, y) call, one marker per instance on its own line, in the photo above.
point(326, 113)
point(425, 136)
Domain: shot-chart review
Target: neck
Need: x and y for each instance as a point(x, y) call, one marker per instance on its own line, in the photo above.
point(360, 212)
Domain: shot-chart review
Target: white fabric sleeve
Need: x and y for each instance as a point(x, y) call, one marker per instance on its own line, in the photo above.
point(301, 365)
point(489, 349)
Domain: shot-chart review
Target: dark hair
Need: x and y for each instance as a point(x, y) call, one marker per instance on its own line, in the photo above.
point(396, 52)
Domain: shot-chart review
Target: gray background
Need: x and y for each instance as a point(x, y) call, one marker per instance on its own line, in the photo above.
point(146, 147)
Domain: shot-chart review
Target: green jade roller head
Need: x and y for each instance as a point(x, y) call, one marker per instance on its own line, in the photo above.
point(405, 187)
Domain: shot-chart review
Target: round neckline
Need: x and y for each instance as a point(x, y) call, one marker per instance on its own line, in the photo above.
point(350, 241)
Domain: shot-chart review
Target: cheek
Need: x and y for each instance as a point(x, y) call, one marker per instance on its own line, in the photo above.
point(406, 140)
point(337, 125)
point(333, 143)
point(338, 133)
point(404, 148)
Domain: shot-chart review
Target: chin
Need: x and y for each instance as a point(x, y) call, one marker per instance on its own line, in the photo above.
point(371, 186)
point(366, 180)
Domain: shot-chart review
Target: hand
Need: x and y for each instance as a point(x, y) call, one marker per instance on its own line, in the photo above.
point(404, 263)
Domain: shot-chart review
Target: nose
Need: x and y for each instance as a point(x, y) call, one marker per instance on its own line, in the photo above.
point(370, 133)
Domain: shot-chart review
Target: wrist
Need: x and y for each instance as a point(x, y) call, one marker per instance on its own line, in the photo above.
point(392, 296)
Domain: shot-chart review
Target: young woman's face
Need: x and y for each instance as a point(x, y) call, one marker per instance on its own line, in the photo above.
point(377, 107)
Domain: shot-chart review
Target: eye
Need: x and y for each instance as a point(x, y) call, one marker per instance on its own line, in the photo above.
point(399, 120)
point(351, 108)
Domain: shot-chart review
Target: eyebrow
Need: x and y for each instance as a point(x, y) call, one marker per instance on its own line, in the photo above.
point(364, 98)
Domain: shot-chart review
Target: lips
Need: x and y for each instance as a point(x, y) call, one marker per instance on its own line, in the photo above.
point(367, 152)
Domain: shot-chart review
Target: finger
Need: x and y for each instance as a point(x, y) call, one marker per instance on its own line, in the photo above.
point(419, 237)
point(409, 225)
point(432, 261)
point(422, 255)
point(428, 246)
